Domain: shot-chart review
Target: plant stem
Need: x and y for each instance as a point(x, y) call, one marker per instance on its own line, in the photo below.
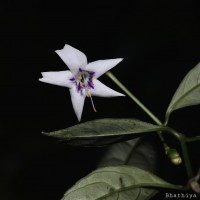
point(141, 105)
point(182, 140)
point(186, 158)
point(138, 102)
point(193, 139)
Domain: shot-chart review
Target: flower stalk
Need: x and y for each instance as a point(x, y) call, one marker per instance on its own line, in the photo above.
point(186, 158)
point(137, 101)
point(183, 142)
point(182, 139)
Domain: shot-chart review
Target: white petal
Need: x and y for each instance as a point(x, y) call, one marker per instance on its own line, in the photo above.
point(102, 90)
point(102, 66)
point(73, 58)
point(61, 78)
point(77, 102)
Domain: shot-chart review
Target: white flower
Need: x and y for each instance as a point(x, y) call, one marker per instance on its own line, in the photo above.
point(81, 79)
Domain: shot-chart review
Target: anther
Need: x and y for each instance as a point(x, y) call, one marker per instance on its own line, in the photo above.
point(79, 78)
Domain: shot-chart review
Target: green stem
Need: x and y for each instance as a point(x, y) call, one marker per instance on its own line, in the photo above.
point(138, 102)
point(141, 105)
point(186, 156)
point(198, 175)
point(182, 140)
point(193, 139)
point(166, 118)
point(179, 136)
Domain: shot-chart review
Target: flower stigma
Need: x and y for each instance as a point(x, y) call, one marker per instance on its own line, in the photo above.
point(89, 95)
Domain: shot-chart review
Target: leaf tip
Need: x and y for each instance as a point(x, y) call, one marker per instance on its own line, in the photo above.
point(45, 133)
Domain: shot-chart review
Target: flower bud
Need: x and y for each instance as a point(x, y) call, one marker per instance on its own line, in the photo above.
point(174, 156)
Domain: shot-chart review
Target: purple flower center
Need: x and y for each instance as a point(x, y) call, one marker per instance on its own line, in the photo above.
point(83, 80)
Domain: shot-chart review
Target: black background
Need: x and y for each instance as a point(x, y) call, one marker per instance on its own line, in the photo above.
point(160, 43)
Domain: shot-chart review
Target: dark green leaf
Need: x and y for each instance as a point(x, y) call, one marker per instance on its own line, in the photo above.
point(140, 152)
point(104, 131)
point(117, 183)
point(188, 92)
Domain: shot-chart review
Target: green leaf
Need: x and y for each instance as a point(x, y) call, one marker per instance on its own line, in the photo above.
point(140, 152)
point(104, 131)
point(188, 92)
point(117, 183)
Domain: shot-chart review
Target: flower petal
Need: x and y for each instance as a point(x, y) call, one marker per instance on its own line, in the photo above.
point(102, 90)
point(61, 78)
point(73, 58)
point(77, 102)
point(102, 66)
